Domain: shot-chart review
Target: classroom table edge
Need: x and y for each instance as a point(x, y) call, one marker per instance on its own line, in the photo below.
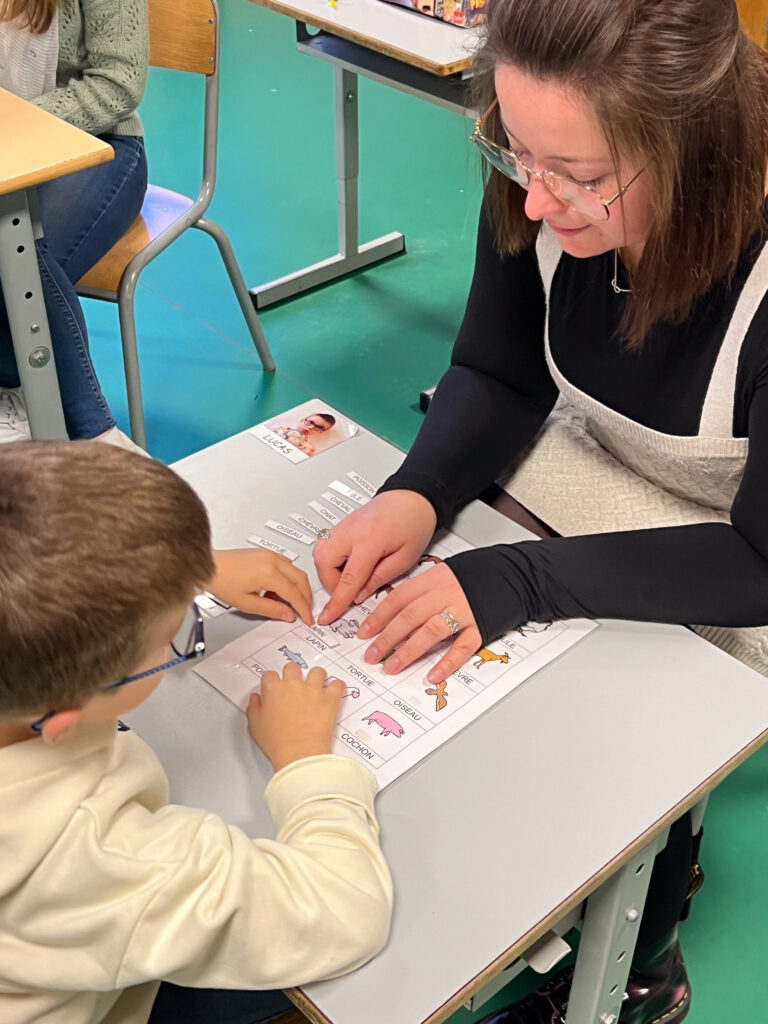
point(370, 42)
point(38, 176)
point(513, 952)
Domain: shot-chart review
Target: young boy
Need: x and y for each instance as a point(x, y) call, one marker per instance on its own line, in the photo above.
point(105, 889)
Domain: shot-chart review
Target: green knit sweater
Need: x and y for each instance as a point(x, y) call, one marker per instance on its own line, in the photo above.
point(103, 54)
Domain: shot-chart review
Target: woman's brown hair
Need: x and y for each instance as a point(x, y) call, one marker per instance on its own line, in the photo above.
point(36, 15)
point(678, 86)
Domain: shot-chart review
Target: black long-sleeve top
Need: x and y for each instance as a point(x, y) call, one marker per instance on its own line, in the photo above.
point(496, 395)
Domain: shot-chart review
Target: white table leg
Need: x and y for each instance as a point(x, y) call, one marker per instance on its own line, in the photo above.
point(31, 336)
point(351, 255)
point(609, 934)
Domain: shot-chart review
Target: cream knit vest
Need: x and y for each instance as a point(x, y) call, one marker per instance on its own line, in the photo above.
point(593, 470)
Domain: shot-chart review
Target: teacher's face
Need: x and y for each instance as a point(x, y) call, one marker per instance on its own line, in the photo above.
point(550, 126)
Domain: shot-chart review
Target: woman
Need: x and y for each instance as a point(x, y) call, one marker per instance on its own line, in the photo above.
point(86, 62)
point(614, 353)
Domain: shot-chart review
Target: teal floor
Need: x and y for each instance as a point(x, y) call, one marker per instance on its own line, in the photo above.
point(367, 345)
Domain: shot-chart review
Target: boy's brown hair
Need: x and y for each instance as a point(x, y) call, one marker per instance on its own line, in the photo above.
point(95, 544)
point(676, 84)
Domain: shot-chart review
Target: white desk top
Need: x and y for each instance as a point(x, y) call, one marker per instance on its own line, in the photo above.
point(424, 42)
point(495, 836)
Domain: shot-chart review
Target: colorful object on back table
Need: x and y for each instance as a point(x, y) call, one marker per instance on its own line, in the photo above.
point(463, 13)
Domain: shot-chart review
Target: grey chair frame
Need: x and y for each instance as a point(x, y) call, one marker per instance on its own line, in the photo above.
point(192, 218)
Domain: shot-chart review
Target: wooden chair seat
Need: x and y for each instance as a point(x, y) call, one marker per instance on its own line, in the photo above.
point(160, 209)
point(183, 36)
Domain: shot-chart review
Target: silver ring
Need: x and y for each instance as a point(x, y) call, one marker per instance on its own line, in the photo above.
point(323, 534)
point(451, 623)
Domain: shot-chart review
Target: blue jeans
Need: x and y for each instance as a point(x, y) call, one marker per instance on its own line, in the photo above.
point(83, 215)
point(175, 1005)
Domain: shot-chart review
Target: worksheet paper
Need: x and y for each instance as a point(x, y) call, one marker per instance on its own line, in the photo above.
point(390, 722)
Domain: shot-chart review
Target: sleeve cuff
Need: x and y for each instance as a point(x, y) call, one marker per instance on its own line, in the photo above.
point(426, 486)
point(496, 593)
point(323, 777)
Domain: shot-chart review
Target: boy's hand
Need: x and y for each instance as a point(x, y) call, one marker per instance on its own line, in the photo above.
point(243, 572)
point(294, 717)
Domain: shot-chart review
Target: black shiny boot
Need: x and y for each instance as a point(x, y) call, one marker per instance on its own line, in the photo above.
point(657, 992)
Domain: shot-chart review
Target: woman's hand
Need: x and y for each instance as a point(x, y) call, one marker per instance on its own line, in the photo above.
point(411, 616)
point(294, 717)
point(243, 573)
point(372, 546)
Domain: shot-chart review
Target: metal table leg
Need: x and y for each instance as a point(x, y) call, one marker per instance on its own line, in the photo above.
point(31, 336)
point(609, 934)
point(351, 255)
point(697, 814)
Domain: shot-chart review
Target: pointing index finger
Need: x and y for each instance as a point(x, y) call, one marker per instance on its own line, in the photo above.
point(329, 554)
point(356, 573)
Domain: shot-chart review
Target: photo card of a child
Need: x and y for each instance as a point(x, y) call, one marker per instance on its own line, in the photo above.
point(304, 431)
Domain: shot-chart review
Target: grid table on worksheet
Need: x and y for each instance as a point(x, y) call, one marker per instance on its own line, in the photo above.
point(391, 721)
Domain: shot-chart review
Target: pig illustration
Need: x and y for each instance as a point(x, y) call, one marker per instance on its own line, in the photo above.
point(388, 725)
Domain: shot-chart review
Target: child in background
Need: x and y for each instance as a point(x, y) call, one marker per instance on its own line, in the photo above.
point(105, 889)
point(85, 61)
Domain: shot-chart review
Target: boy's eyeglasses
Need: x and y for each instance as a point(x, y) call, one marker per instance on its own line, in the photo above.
point(188, 643)
point(584, 199)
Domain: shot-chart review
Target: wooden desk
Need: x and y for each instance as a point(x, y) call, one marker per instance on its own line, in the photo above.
point(396, 32)
point(389, 44)
point(562, 791)
point(36, 147)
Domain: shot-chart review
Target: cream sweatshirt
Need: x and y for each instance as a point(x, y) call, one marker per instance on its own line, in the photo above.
point(105, 888)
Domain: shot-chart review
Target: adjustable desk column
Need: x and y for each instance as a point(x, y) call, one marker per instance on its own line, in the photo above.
point(36, 147)
point(391, 45)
